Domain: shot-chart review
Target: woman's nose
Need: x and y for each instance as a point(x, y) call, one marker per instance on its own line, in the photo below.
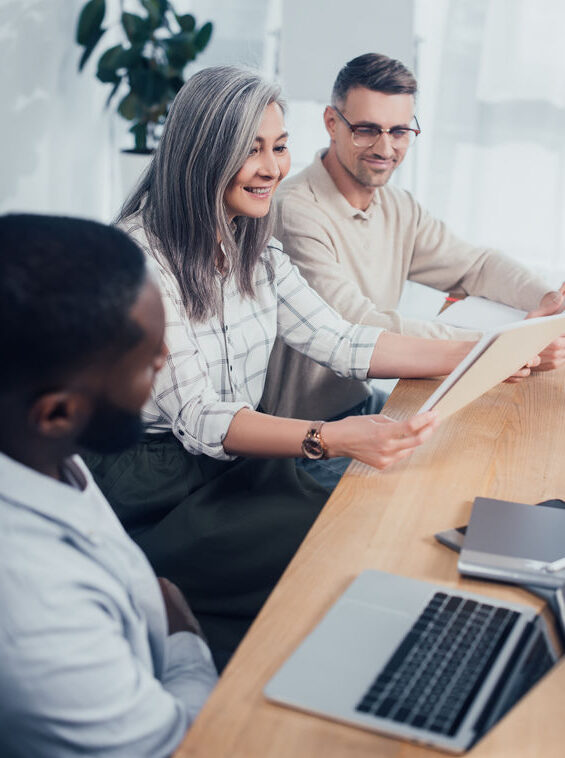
point(269, 165)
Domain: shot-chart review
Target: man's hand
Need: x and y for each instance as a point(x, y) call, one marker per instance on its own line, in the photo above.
point(179, 615)
point(525, 371)
point(553, 356)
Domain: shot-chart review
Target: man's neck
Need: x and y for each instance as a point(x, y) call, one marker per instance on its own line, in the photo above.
point(356, 194)
point(44, 462)
point(17, 441)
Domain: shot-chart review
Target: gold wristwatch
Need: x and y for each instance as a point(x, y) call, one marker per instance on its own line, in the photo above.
point(313, 445)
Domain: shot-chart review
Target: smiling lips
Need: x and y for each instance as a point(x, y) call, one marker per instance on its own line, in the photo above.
point(259, 191)
point(380, 162)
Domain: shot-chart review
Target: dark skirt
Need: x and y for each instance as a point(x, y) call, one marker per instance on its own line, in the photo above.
point(224, 531)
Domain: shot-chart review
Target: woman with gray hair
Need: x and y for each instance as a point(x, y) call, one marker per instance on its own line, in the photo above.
point(212, 493)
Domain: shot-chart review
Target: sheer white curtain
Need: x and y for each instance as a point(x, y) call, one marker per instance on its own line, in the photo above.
point(58, 151)
point(492, 157)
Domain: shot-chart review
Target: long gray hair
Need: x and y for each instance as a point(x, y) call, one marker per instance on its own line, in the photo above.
point(207, 137)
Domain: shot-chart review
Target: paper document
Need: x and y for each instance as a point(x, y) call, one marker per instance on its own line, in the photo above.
point(479, 313)
point(495, 357)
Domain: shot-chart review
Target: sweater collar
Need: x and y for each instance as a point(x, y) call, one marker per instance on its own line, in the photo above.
point(326, 192)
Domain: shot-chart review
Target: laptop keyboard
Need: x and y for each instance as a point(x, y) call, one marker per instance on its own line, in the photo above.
point(433, 676)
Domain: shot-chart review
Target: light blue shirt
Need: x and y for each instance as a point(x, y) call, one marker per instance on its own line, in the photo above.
point(86, 665)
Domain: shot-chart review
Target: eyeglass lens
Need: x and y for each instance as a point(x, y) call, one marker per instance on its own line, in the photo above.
point(366, 136)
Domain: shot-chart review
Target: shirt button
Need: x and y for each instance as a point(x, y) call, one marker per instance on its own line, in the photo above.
point(181, 432)
point(231, 368)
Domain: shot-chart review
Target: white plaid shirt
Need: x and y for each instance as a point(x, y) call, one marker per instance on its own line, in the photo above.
point(216, 368)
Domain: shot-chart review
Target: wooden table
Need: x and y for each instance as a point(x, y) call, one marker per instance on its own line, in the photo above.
point(508, 444)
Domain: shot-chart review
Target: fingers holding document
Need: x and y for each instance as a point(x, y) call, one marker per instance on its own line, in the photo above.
point(525, 371)
point(378, 440)
point(553, 356)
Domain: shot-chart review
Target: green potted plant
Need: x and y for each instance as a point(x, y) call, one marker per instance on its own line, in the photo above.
point(147, 70)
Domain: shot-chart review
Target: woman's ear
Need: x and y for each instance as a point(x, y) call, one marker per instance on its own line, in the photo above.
point(60, 414)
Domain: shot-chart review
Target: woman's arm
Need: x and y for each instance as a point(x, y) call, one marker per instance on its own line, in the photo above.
point(396, 355)
point(376, 440)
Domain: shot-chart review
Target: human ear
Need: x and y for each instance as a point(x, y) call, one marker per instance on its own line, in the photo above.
point(330, 120)
point(59, 414)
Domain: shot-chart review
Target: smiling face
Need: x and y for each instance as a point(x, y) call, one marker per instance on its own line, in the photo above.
point(368, 167)
point(251, 190)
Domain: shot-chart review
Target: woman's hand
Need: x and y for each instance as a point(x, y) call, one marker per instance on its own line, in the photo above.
point(378, 441)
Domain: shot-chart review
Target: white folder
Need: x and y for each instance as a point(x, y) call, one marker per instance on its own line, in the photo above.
point(496, 356)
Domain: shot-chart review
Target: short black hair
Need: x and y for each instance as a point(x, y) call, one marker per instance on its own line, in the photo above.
point(376, 72)
point(66, 288)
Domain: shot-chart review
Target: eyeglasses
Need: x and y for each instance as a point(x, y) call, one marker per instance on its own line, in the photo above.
point(367, 135)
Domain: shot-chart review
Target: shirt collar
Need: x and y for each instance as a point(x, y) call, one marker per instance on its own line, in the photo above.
point(26, 488)
point(326, 192)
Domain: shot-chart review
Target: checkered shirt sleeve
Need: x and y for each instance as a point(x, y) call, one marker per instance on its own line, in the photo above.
point(216, 368)
point(307, 323)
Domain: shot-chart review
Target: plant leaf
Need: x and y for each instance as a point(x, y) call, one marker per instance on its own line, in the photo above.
point(92, 42)
point(203, 36)
point(175, 83)
point(131, 57)
point(155, 10)
point(112, 93)
point(136, 28)
point(107, 76)
point(130, 107)
point(180, 49)
point(187, 22)
point(150, 86)
point(90, 21)
point(110, 60)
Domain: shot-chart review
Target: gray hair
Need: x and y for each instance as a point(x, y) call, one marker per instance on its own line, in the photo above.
point(209, 132)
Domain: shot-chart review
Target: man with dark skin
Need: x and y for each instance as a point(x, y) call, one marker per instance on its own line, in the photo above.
point(96, 656)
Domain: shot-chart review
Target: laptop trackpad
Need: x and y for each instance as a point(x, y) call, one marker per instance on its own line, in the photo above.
point(336, 663)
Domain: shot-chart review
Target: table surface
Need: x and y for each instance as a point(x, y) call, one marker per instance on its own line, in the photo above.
point(507, 444)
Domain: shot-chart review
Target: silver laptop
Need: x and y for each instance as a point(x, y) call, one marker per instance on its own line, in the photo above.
point(417, 661)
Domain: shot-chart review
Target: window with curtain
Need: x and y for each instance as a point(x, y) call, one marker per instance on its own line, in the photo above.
point(492, 158)
point(57, 139)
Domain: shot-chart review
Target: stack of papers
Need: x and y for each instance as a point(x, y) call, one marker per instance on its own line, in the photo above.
point(480, 314)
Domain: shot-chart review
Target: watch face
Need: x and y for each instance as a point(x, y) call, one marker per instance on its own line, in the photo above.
point(312, 448)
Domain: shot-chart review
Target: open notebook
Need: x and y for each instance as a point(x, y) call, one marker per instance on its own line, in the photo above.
point(496, 356)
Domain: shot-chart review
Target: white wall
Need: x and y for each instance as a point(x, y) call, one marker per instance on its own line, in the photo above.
point(55, 136)
point(319, 36)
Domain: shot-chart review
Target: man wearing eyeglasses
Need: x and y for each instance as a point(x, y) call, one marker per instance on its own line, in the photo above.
point(357, 240)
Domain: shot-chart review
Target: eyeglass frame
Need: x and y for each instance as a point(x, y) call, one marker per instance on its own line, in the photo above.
point(353, 127)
